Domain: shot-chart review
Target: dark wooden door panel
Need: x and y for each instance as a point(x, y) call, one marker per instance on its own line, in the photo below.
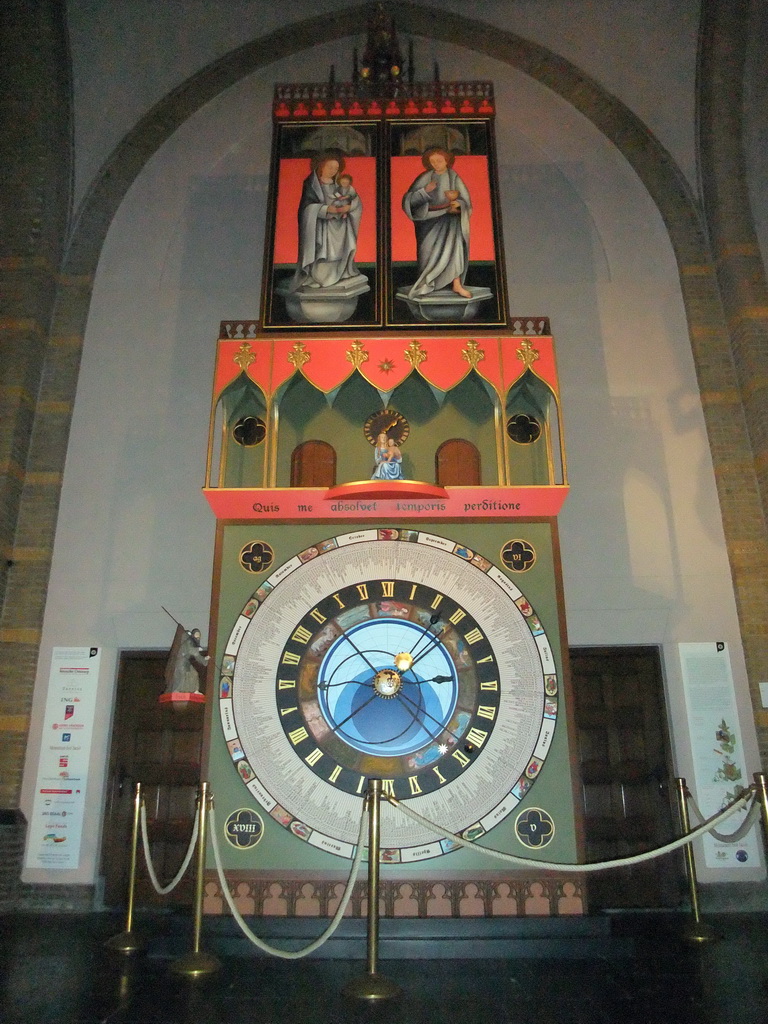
point(457, 464)
point(626, 767)
point(159, 746)
point(313, 464)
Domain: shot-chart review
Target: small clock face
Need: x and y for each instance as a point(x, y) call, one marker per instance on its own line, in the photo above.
point(392, 654)
point(389, 422)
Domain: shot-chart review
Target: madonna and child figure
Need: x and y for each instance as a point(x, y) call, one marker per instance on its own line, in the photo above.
point(389, 460)
point(326, 284)
point(329, 220)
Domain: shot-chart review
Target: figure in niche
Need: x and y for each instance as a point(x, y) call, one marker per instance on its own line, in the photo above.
point(439, 204)
point(388, 458)
point(329, 220)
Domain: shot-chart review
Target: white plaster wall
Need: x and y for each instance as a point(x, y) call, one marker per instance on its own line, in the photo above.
point(128, 55)
point(643, 551)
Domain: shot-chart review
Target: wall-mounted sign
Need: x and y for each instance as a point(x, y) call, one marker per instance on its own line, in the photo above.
point(719, 768)
point(56, 823)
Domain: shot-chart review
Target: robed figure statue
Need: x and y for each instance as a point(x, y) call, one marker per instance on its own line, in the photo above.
point(439, 204)
point(329, 220)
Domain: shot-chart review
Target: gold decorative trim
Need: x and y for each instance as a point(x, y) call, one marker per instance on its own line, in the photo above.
point(54, 408)
point(244, 356)
point(26, 263)
point(738, 249)
point(473, 354)
point(415, 354)
point(66, 341)
point(298, 355)
point(527, 354)
point(17, 391)
point(20, 636)
point(357, 354)
point(697, 270)
point(755, 384)
point(14, 723)
point(749, 313)
point(25, 324)
point(30, 554)
point(728, 396)
point(44, 478)
point(76, 280)
point(703, 330)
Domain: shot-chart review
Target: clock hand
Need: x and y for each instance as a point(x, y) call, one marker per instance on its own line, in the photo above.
point(426, 633)
point(356, 682)
point(347, 682)
point(403, 696)
point(355, 712)
point(358, 651)
point(431, 646)
point(434, 679)
point(396, 736)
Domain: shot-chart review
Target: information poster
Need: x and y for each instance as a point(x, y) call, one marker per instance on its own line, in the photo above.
point(719, 768)
point(56, 823)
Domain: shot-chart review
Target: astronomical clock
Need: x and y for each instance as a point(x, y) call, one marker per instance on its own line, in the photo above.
point(386, 464)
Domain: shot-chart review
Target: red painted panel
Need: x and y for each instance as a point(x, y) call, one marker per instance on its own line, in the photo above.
point(460, 503)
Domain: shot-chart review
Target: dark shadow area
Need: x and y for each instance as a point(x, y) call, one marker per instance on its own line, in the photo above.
point(55, 969)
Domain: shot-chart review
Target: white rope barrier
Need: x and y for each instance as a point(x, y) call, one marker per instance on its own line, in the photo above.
point(163, 890)
point(287, 954)
point(707, 826)
point(731, 837)
point(542, 865)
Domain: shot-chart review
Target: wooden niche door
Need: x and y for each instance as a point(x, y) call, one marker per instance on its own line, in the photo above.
point(313, 464)
point(457, 464)
point(160, 747)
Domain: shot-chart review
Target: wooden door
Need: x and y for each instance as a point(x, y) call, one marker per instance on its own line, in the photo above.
point(160, 747)
point(313, 464)
point(626, 774)
point(457, 464)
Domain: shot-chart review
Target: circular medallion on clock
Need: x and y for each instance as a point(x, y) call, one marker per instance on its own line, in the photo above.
point(256, 556)
point(535, 828)
point(394, 654)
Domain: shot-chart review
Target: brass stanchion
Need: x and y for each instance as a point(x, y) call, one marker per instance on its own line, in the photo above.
point(761, 785)
point(696, 931)
point(373, 986)
point(127, 941)
point(198, 963)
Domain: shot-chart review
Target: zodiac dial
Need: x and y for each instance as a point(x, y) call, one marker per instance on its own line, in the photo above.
point(393, 654)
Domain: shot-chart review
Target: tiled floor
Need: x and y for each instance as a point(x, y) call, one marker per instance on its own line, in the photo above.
point(55, 969)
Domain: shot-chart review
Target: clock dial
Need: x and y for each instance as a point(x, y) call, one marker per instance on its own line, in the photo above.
point(387, 676)
point(389, 422)
point(393, 654)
